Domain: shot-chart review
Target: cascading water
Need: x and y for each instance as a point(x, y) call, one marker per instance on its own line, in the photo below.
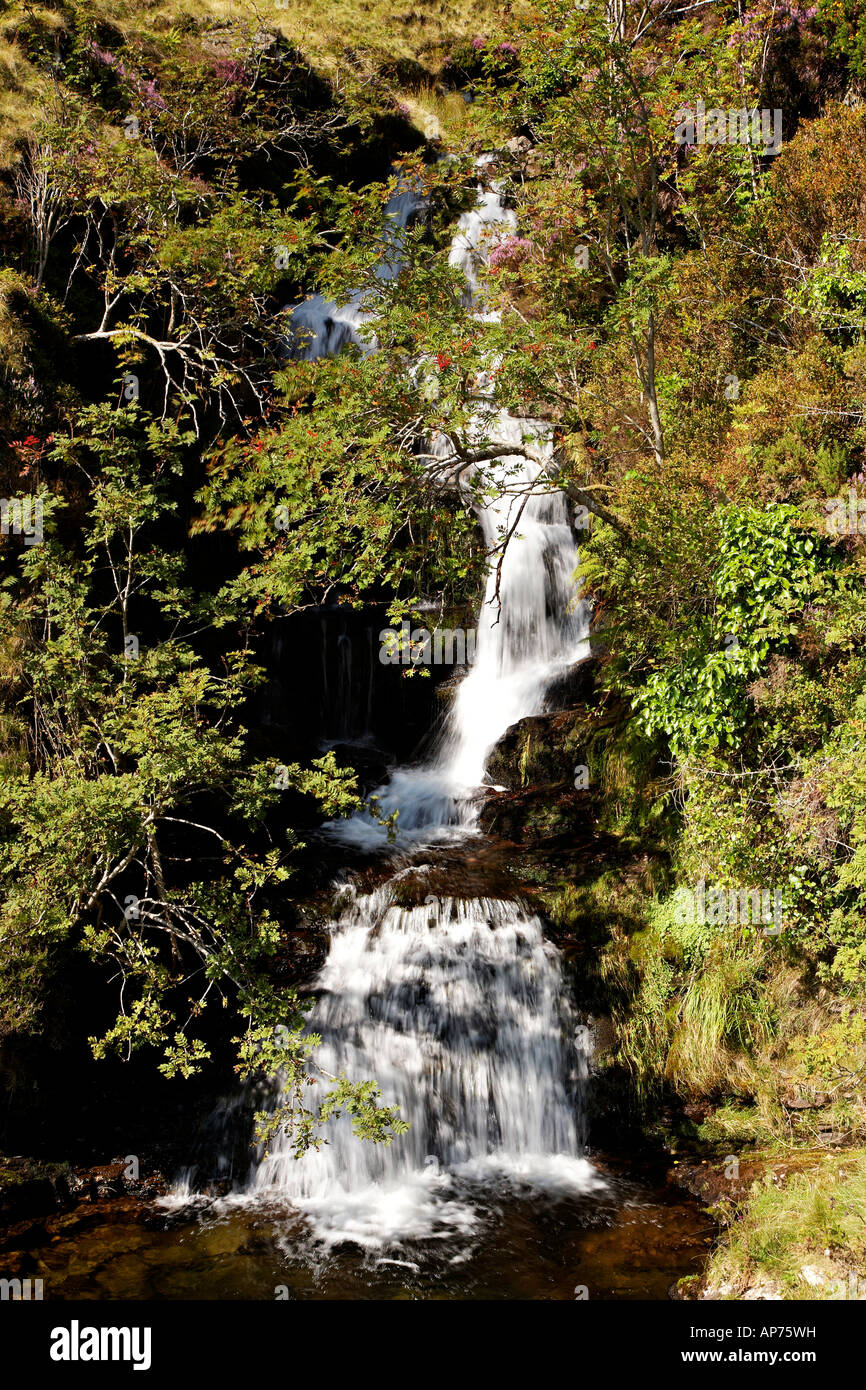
point(319, 327)
point(531, 628)
point(456, 1007)
point(533, 625)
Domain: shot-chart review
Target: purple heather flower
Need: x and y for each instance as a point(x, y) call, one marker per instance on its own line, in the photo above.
point(231, 72)
point(151, 96)
point(511, 251)
point(102, 56)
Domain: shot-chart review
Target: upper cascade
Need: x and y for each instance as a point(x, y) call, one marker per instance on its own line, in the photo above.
point(533, 624)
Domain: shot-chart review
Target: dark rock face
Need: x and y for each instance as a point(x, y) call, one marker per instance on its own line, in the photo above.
point(544, 771)
point(541, 813)
point(541, 749)
point(327, 686)
point(575, 687)
point(29, 1188)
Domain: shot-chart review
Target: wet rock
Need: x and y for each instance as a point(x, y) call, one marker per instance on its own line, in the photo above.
point(540, 749)
point(109, 1181)
point(543, 814)
point(716, 1182)
point(574, 687)
point(102, 1180)
point(603, 1031)
point(548, 749)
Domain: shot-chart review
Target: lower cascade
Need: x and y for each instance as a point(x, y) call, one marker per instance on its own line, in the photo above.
point(457, 1008)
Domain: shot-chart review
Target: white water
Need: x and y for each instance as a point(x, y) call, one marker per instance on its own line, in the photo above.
point(319, 327)
point(457, 1008)
point(532, 626)
point(478, 232)
point(534, 629)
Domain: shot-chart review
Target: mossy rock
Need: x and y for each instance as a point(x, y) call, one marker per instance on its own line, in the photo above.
point(30, 1188)
point(543, 749)
point(540, 814)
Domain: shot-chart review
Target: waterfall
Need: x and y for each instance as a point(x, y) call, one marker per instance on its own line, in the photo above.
point(531, 628)
point(533, 624)
point(457, 1008)
point(320, 328)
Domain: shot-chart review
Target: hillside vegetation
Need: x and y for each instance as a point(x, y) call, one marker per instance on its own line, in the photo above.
point(689, 316)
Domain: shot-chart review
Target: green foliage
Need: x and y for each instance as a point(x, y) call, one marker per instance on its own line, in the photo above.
point(330, 502)
point(131, 741)
point(834, 292)
point(812, 1218)
point(700, 1014)
point(766, 573)
point(845, 22)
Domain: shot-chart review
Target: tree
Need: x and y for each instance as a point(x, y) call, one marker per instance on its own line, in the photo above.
point(135, 826)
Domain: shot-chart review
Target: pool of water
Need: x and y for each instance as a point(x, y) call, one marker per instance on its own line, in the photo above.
point(632, 1241)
